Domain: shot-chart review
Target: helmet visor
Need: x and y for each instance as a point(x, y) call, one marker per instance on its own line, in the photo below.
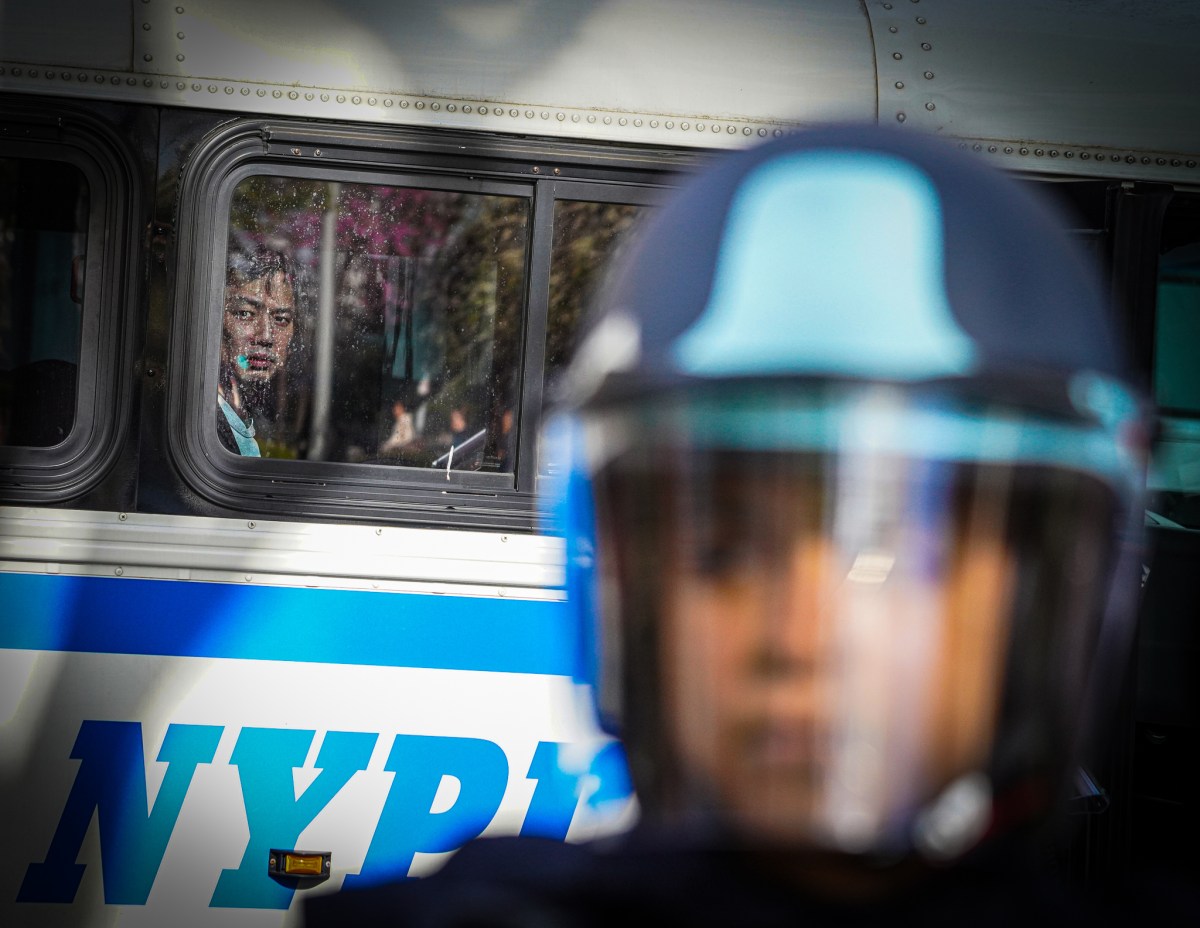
point(853, 634)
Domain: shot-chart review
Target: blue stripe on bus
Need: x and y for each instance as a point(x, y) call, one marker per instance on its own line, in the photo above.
point(108, 615)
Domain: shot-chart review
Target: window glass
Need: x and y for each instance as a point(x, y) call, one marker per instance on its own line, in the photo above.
point(371, 324)
point(586, 238)
point(43, 247)
point(1176, 471)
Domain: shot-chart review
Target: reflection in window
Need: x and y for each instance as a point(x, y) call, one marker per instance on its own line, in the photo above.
point(43, 245)
point(369, 323)
point(586, 238)
point(1176, 471)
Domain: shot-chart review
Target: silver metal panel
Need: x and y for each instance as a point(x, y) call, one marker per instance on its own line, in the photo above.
point(1099, 87)
point(97, 34)
point(291, 553)
point(708, 73)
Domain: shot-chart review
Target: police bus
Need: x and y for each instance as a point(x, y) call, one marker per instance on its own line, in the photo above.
point(284, 288)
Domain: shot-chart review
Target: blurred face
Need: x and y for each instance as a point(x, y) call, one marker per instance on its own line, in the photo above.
point(821, 686)
point(259, 321)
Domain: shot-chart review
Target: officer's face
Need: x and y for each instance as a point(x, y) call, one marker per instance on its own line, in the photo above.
point(258, 325)
point(821, 690)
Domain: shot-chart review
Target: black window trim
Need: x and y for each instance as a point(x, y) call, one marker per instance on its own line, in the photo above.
point(63, 472)
point(431, 160)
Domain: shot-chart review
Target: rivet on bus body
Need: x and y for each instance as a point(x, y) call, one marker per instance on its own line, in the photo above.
point(900, 117)
point(892, 29)
point(560, 116)
point(316, 153)
point(145, 27)
point(147, 57)
point(179, 35)
point(897, 56)
point(295, 151)
point(1191, 164)
point(378, 531)
point(557, 170)
point(178, 9)
point(992, 149)
point(119, 571)
point(1024, 151)
point(536, 169)
point(249, 577)
point(123, 516)
point(928, 75)
point(927, 46)
point(921, 20)
point(899, 85)
point(929, 106)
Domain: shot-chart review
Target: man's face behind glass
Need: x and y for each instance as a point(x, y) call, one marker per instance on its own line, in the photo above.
point(259, 320)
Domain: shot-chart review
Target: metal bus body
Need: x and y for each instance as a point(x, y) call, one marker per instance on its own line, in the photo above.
point(225, 681)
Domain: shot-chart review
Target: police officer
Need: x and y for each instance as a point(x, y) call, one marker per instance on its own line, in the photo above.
point(862, 457)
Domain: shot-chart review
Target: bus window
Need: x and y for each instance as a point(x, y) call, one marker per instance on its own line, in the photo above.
point(587, 235)
point(1175, 477)
point(372, 324)
point(43, 243)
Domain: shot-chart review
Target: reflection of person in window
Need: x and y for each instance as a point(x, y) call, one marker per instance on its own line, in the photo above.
point(258, 323)
point(403, 431)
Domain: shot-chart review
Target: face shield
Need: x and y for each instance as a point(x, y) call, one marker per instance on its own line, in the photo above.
point(850, 618)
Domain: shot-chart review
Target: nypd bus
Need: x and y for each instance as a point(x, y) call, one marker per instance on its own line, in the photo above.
point(284, 288)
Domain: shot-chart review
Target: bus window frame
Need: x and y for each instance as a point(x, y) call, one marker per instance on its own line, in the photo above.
point(103, 387)
point(534, 387)
point(389, 157)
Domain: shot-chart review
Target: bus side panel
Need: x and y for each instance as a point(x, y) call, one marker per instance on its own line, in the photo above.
point(156, 751)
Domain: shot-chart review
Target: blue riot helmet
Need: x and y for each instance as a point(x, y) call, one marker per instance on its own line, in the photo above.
point(856, 444)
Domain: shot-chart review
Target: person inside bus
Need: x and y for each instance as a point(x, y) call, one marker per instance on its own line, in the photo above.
point(865, 544)
point(258, 325)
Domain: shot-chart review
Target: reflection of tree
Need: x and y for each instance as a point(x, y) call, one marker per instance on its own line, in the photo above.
point(586, 235)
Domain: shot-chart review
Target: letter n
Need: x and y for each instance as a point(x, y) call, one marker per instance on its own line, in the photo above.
point(111, 783)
